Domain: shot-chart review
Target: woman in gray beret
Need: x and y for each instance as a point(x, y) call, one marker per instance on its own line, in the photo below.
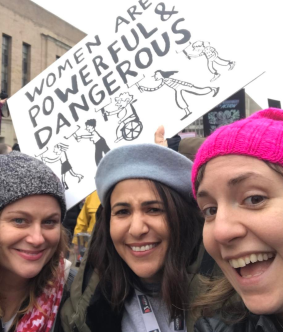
point(138, 273)
point(32, 242)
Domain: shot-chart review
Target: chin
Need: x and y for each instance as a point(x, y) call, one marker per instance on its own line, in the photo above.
point(265, 307)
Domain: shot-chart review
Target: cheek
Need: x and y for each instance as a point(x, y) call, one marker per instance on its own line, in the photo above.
point(53, 237)
point(115, 231)
point(209, 241)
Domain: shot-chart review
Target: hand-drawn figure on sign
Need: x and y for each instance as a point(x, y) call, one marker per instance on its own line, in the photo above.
point(60, 150)
point(130, 126)
point(180, 87)
point(100, 143)
point(204, 48)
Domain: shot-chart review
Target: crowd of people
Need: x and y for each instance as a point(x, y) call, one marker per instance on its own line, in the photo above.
point(182, 238)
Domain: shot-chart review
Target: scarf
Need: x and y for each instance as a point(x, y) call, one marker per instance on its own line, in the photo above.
point(41, 317)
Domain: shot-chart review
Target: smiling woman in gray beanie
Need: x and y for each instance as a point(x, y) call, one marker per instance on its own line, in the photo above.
point(145, 241)
point(32, 240)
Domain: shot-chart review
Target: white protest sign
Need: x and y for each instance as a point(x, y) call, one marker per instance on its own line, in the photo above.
point(153, 63)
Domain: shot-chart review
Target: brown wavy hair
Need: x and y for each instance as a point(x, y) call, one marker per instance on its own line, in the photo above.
point(117, 280)
point(45, 276)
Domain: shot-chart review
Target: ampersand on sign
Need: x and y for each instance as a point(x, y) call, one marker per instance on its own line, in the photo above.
point(164, 14)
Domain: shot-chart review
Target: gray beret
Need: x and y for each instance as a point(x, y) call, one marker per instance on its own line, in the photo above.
point(22, 175)
point(144, 161)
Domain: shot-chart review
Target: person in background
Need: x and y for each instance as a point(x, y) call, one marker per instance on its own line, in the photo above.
point(32, 244)
point(16, 147)
point(86, 218)
point(187, 146)
point(238, 183)
point(5, 148)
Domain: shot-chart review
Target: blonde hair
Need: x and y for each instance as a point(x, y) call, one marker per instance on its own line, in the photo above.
point(45, 276)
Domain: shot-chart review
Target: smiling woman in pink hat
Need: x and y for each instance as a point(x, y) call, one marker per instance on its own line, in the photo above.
point(238, 183)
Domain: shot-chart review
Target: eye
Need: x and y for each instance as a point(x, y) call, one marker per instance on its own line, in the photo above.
point(254, 200)
point(19, 221)
point(122, 212)
point(155, 211)
point(50, 222)
point(210, 211)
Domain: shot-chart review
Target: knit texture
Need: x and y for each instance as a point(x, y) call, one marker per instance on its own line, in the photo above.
point(144, 161)
point(260, 136)
point(22, 175)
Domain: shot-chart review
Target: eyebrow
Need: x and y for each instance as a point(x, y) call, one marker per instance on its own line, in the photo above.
point(232, 182)
point(29, 215)
point(235, 181)
point(143, 204)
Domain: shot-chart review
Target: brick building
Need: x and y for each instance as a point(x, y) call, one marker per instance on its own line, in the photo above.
point(31, 40)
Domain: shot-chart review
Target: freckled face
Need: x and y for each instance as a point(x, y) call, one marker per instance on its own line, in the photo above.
point(138, 228)
point(29, 235)
point(242, 201)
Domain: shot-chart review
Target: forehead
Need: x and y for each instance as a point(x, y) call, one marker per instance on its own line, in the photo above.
point(34, 203)
point(225, 169)
point(134, 189)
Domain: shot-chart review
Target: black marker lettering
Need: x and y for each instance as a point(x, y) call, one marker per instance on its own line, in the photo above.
point(114, 52)
point(126, 43)
point(64, 96)
point(83, 107)
point(36, 91)
point(132, 12)
point(120, 20)
point(109, 84)
point(89, 44)
point(65, 122)
point(77, 57)
point(123, 73)
point(84, 76)
point(33, 116)
point(139, 64)
point(51, 104)
point(101, 93)
point(185, 33)
point(60, 68)
point(98, 62)
point(41, 144)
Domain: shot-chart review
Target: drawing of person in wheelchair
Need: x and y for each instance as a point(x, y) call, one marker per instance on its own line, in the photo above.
point(130, 126)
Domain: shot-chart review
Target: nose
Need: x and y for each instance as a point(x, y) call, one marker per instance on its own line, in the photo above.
point(35, 236)
point(138, 226)
point(228, 226)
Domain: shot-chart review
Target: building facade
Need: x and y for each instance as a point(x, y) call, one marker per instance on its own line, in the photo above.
point(196, 128)
point(31, 40)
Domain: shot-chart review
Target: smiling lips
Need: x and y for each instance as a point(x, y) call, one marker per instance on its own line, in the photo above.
point(252, 265)
point(30, 255)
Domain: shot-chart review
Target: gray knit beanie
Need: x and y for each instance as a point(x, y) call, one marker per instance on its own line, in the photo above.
point(144, 161)
point(22, 175)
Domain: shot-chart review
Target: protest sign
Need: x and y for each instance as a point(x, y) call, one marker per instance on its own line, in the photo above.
point(152, 63)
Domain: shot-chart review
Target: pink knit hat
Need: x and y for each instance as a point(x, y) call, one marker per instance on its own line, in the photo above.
point(260, 136)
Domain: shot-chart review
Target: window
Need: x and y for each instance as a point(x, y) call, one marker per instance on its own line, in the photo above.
point(26, 64)
point(6, 40)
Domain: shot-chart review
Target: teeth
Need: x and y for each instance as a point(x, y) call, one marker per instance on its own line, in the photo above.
point(144, 248)
point(253, 258)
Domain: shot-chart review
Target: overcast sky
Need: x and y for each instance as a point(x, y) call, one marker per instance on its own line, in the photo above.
point(88, 15)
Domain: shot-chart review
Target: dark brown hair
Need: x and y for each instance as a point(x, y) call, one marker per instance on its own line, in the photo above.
point(117, 280)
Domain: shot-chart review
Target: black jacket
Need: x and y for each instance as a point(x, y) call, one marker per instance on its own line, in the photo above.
point(252, 323)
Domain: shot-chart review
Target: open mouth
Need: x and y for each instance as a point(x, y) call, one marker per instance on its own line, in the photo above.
point(144, 248)
point(252, 265)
